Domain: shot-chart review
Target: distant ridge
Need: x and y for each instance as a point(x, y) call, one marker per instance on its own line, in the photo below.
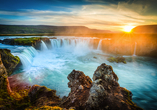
point(146, 29)
point(45, 29)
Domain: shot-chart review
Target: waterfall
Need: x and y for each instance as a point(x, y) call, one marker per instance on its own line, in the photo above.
point(71, 43)
point(78, 46)
point(27, 56)
point(99, 45)
point(135, 49)
point(43, 46)
point(56, 43)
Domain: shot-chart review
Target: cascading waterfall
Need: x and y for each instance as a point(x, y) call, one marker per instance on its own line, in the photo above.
point(43, 46)
point(56, 43)
point(135, 49)
point(99, 45)
point(72, 43)
point(27, 56)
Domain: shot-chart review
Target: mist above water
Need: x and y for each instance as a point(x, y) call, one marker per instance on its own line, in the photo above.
point(50, 67)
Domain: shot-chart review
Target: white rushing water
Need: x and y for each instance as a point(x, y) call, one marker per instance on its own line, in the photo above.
point(50, 67)
point(99, 45)
point(135, 49)
point(43, 46)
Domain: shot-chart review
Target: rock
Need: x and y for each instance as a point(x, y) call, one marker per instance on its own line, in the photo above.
point(47, 108)
point(41, 96)
point(78, 78)
point(116, 59)
point(105, 72)
point(80, 85)
point(3, 75)
point(8, 41)
point(33, 41)
point(53, 38)
point(104, 93)
point(95, 57)
point(10, 62)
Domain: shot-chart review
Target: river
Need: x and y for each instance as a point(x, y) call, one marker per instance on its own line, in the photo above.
point(50, 67)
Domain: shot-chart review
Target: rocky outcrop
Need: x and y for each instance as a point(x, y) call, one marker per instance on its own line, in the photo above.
point(80, 86)
point(3, 75)
point(33, 41)
point(43, 96)
point(10, 62)
point(104, 93)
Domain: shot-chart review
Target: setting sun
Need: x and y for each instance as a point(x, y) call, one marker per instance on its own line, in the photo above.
point(128, 28)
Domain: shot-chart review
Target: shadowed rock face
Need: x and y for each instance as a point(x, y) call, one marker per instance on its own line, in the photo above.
point(104, 93)
point(3, 75)
point(80, 85)
point(41, 96)
point(78, 80)
point(10, 62)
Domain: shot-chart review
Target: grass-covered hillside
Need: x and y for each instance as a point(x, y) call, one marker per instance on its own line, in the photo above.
point(46, 30)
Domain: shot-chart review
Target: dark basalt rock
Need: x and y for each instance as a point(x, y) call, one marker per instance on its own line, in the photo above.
point(104, 93)
point(10, 62)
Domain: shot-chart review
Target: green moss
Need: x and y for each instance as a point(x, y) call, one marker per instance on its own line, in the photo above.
point(130, 102)
point(16, 60)
point(8, 102)
point(45, 108)
point(117, 59)
point(26, 41)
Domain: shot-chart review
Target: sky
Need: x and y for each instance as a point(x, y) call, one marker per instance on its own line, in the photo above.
point(111, 15)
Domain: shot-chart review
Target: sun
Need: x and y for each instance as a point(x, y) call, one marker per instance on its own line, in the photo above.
point(128, 28)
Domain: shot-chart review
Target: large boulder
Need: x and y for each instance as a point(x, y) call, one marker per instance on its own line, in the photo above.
point(10, 62)
point(104, 93)
point(78, 79)
point(80, 85)
point(42, 96)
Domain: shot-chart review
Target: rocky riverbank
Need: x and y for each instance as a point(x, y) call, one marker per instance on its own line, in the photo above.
point(103, 93)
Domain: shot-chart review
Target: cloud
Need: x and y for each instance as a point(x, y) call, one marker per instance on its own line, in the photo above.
point(109, 17)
